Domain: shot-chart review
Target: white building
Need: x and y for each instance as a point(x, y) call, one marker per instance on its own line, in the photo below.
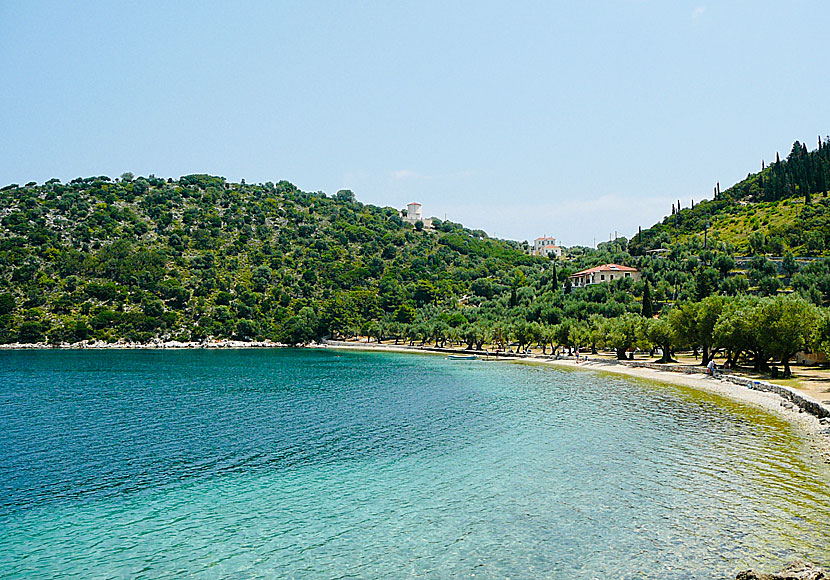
point(413, 212)
point(545, 247)
point(414, 215)
point(603, 274)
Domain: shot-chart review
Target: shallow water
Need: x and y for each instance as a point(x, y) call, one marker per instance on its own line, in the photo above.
point(323, 464)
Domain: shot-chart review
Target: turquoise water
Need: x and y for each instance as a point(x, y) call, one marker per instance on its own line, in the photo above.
point(318, 464)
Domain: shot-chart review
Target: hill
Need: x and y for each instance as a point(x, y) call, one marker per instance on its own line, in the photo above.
point(198, 256)
point(783, 208)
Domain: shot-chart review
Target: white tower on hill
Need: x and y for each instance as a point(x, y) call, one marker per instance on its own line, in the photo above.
point(413, 211)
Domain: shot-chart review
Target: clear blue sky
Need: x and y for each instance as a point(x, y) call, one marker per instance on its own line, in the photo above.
point(572, 119)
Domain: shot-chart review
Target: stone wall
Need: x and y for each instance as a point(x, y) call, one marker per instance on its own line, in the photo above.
point(798, 399)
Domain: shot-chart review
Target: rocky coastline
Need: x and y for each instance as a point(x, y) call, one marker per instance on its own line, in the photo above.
point(152, 344)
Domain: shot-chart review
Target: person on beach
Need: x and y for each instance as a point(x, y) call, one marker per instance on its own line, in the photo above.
point(577, 356)
point(711, 367)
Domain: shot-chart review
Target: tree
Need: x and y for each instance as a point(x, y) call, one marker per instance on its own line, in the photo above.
point(789, 265)
point(707, 314)
point(579, 335)
point(302, 328)
point(661, 333)
point(768, 328)
point(562, 334)
point(786, 326)
point(424, 293)
point(338, 315)
point(756, 241)
point(706, 282)
point(735, 330)
point(554, 283)
point(30, 331)
point(7, 303)
point(763, 275)
point(405, 314)
point(820, 339)
point(648, 306)
point(624, 333)
point(723, 263)
point(346, 195)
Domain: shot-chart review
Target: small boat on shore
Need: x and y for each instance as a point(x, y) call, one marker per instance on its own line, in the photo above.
point(462, 357)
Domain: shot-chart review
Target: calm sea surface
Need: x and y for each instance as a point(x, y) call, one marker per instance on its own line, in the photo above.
point(318, 464)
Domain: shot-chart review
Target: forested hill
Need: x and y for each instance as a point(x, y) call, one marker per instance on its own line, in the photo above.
point(782, 208)
point(197, 257)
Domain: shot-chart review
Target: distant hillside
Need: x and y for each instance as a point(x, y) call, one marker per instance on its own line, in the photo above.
point(187, 259)
point(198, 256)
point(783, 208)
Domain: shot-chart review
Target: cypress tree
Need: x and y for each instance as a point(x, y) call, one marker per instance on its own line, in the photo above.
point(648, 307)
point(554, 278)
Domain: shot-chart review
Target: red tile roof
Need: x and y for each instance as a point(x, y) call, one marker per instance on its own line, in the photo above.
point(605, 268)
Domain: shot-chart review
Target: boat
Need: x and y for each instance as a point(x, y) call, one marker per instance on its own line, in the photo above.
point(462, 357)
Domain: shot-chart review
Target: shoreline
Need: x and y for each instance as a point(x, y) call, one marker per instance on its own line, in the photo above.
point(152, 345)
point(798, 408)
point(816, 429)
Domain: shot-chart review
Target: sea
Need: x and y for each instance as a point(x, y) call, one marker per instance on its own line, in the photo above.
point(318, 463)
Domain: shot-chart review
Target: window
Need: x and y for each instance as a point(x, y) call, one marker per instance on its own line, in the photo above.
point(602, 276)
point(627, 275)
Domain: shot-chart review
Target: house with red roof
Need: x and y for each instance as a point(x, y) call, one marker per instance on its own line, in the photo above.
point(604, 273)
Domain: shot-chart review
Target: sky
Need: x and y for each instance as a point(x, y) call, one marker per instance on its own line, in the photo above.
point(568, 119)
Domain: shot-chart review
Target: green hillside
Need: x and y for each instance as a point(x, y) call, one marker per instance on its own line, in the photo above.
point(198, 257)
point(783, 208)
point(187, 259)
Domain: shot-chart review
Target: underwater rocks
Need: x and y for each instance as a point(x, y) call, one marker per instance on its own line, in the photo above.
point(798, 570)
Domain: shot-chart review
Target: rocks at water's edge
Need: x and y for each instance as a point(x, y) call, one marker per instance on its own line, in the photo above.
point(798, 570)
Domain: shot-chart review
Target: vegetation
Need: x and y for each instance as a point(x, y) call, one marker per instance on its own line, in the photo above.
point(199, 257)
point(782, 208)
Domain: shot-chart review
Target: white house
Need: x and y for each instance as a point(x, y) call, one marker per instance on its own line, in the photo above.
point(545, 247)
point(604, 273)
